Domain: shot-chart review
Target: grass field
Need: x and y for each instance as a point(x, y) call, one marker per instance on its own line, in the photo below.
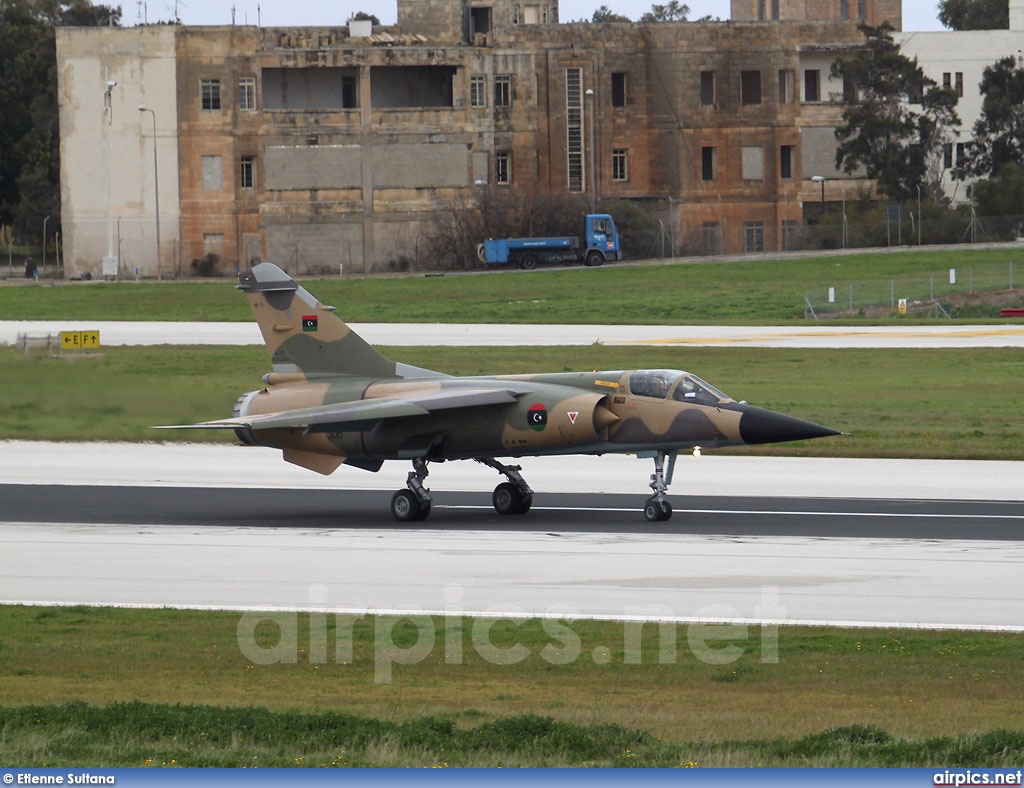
point(763, 291)
point(191, 698)
point(952, 403)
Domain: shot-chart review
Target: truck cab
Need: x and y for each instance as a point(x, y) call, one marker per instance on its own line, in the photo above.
point(601, 237)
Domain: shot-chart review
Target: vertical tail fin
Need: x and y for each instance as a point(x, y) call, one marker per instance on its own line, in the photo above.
point(302, 335)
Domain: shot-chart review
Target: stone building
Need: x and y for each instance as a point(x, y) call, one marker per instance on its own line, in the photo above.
point(330, 149)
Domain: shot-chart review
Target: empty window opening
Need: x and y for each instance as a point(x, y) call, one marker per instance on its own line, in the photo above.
point(812, 85)
point(707, 88)
point(310, 89)
point(411, 86)
point(618, 89)
point(750, 87)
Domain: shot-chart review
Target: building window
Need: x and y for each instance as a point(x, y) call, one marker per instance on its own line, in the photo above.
point(790, 234)
point(851, 95)
point(247, 94)
point(709, 237)
point(947, 155)
point(753, 236)
point(349, 92)
point(503, 90)
point(707, 88)
point(213, 173)
point(247, 172)
point(210, 89)
point(961, 150)
point(959, 82)
point(762, 12)
point(620, 164)
point(477, 92)
point(618, 88)
point(750, 87)
point(213, 243)
point(574, 128)
point(786, 86)
point(862, 9)
point(753, 163)
point(812, 85)
point(708, 163)
point(787, 156)
point(844, 9)
point(503, 167)
point(775, 10)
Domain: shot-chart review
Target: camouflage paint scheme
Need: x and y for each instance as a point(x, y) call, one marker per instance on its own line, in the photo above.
point(333, 399)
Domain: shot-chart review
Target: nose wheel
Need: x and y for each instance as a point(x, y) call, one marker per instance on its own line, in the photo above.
point(658, 508)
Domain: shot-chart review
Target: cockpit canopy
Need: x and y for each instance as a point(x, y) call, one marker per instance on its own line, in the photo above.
point(680, 386)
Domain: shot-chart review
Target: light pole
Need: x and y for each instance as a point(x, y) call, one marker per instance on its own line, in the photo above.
point(44, 245)
point(156, 187)
point(593, 169)
point(820, 179)
point(109, 262)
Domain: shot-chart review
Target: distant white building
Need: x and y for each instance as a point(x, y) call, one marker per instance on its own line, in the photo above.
point(957, 60)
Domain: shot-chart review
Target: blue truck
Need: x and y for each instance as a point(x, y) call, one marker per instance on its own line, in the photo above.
point(601, 243)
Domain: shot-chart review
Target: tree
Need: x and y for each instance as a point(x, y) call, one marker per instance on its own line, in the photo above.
point(362, 16)
point(29, 139)
point(605, 14)
point(975, 14)
point(897, 145)
point(1002, 194)
point(999, 131)
point(673, 11)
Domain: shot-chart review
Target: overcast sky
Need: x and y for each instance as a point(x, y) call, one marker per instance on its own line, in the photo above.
point(917, 14)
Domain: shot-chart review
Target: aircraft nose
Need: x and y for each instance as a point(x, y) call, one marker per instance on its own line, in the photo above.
point(758, 425)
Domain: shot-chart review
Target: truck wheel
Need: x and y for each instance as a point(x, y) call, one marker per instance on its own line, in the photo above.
point(528, 262)
point(594, 258)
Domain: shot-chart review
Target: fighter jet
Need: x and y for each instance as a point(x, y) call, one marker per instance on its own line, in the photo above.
point(332, 399)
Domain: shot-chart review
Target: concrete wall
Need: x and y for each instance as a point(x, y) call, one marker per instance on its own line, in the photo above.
point(142, 63)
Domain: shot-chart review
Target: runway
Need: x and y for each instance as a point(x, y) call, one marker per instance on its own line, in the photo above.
point(135, 529)
point(810, 335)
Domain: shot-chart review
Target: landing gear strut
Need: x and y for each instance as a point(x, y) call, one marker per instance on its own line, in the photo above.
point(413, 503)
point(513, 496)
point(657, 507)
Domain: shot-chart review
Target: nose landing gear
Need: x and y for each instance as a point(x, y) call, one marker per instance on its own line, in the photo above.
point(658, 508)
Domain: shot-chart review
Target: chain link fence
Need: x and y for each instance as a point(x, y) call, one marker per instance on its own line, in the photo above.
point(970, 291)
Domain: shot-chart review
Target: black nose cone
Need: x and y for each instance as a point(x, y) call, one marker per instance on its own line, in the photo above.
point(758, 425)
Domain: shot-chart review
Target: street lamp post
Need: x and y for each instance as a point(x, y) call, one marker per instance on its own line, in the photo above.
point(44, 245)
point(593, 169)
point(110, 266)
point(156, 188)
point(820, 179)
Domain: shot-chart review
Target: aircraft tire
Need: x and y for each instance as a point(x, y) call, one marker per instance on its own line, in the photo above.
point(657, 511)
point(405, 507)
point(508, 500)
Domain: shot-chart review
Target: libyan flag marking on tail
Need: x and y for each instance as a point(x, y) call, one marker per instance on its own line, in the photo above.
point(309, 322)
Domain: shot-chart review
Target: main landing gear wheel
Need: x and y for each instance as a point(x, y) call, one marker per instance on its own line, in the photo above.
point(513, 496)
point(507, 499)
point(415, 502)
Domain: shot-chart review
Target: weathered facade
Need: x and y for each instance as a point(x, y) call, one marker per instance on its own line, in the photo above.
point(331, 149)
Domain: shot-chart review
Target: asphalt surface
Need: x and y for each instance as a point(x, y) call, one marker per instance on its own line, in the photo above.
point(562, 513)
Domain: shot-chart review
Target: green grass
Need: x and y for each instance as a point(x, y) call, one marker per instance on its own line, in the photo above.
point(940, 403)
point(115, 687)
point(762, 291)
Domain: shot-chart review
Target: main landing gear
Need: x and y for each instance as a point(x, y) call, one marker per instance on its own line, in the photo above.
point(413, 503)
point(657, 507)
point(513, 496)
